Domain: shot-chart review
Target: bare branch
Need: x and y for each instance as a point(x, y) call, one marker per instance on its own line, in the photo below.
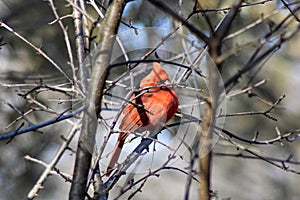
point(224, 27)
point(39, 184)
point(255, 61)
point(185, 22)
point(80, 46)
point(40, 125)
point(287, 136)
point(66, 37)
point(292, 12)
point(265, 113)
point(55, 171)
point(39, 51)
point(273, 159)
point(108, 28)
point(270, 161)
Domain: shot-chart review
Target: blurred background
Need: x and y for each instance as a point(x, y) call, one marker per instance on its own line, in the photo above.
point(21, 69)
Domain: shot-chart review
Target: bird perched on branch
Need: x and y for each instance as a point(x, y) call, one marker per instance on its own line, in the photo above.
point(149, 109)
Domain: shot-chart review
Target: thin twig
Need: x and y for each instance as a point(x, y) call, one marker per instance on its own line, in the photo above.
point(40, 125)
point(241, 155)
point(172, 12)
point(270, 161)
point(55, 170)
point(67, 40)
point(39, 184)
point(287, 136)
point(292, 12)
point(41, 52)
point(266, 113)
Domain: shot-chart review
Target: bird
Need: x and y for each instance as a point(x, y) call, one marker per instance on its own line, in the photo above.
point(154, 104)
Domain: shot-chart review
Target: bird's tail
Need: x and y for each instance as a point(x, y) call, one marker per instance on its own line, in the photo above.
point(115, 156)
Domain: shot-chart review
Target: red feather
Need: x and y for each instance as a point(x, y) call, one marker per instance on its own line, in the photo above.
point(158, 106)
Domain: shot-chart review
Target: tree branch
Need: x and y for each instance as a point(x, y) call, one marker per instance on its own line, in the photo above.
point(108, 28)
point(39, 184)
point(34, 127)
point(79, 41)
point(171, 11)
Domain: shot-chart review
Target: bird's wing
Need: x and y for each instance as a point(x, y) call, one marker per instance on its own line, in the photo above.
point(129, 120)
point(157, 114)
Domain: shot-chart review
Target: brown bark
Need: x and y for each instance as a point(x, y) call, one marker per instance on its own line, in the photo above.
point(84, 153)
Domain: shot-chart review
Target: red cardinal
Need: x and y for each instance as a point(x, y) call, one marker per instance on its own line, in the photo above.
point(150, 109)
